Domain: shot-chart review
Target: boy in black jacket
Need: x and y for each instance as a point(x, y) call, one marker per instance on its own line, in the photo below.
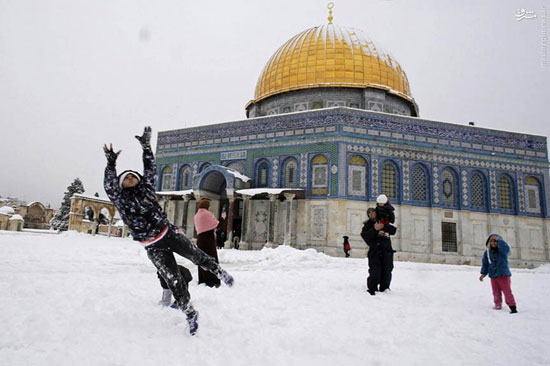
point(134, 197)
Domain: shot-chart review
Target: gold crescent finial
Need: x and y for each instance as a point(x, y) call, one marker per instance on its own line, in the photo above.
point(330, 6)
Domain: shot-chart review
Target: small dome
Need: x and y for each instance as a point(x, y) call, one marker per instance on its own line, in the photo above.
point(16, 217)
point(7, 210)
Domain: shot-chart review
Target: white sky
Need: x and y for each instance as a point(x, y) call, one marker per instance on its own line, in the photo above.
point(75, 74)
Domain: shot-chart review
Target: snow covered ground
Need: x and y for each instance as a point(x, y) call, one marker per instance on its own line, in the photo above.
point(74, 299)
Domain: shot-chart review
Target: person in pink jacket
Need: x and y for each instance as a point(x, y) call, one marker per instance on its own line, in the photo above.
point(205, 225)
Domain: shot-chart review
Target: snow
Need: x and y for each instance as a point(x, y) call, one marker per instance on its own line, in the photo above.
point(236, 174)
point(7, 210)
point(254, 191)
point(175, 193)
point(92, 198)
point(72, 299)
point(16, 217)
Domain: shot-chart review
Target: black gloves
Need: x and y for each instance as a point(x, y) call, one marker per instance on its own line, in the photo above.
point(145, 139)
point(110, 154)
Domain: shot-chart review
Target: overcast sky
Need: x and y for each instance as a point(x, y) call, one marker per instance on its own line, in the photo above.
point(75, 74)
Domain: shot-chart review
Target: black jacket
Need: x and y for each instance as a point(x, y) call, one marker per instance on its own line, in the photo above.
point(138, 206)
point(377, 244)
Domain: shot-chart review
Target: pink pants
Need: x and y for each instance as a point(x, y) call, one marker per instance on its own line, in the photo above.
point(499, 285)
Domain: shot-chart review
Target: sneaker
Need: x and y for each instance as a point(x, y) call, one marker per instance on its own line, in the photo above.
point(192, 320)
point(225, 277)
point(497, 307)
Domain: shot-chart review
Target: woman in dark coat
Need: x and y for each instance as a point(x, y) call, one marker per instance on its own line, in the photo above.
point(205, 224)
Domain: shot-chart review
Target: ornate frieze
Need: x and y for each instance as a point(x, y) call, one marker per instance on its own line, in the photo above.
point(360, 122)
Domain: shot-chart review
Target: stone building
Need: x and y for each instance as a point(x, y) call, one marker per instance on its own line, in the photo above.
point(332, 125)
point(34, 215)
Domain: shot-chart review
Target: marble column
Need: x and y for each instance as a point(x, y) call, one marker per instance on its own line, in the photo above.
point(288, 227)
point(185, 213)
point(244, 226)
point(229, 230)
point(271, 221)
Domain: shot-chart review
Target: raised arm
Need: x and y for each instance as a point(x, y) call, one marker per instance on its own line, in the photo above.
point(110, 179)
point(503, 248)
point(149, 165)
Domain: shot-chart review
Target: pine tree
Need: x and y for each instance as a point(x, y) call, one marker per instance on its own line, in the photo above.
point(60, 221)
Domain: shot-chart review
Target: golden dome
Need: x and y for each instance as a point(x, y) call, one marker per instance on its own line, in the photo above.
point(331, 56)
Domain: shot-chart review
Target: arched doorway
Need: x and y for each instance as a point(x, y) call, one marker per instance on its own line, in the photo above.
point(218, 183)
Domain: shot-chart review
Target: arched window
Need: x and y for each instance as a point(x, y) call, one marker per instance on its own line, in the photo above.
point(420, 184)
point(389, 180)
point(185, 178)
point(319, 172)
point(532, 195)
point(478, 192)
point(505, 193)
point(166, 178)
point(290, 173)
point(449, 189)
point(357, 176)
point(261, 175)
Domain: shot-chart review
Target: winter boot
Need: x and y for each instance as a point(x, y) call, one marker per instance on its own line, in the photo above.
point(192, 319)
point(166, 297)
point(372, 292)
point(225, 277)
point(175, 305)
point(513, 309)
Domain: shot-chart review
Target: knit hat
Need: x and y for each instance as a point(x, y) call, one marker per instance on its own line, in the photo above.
point(123, 175)
point(382, 199)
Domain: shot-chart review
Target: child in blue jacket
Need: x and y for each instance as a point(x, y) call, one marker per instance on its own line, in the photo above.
point(495, 263)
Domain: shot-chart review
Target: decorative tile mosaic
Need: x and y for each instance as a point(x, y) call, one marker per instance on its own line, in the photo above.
point(406, 180)
point(493, 185)
point(374, 123)
point(303, 170)
point(521, 194)
point(374, 179)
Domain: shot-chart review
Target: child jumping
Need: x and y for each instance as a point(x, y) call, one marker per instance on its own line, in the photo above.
point(495, 263)
point(134, 197)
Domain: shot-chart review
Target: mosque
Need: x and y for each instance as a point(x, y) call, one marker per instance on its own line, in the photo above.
point(332, 125)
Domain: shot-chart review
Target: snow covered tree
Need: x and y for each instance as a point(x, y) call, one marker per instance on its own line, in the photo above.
point(60, 221)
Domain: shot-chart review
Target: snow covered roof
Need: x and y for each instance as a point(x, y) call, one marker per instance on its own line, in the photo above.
point(92, 198)
point(7, 210)
point(119, 223)
point(266, 191)
point(175, 193)
point(236, 174)
point(16, 217)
